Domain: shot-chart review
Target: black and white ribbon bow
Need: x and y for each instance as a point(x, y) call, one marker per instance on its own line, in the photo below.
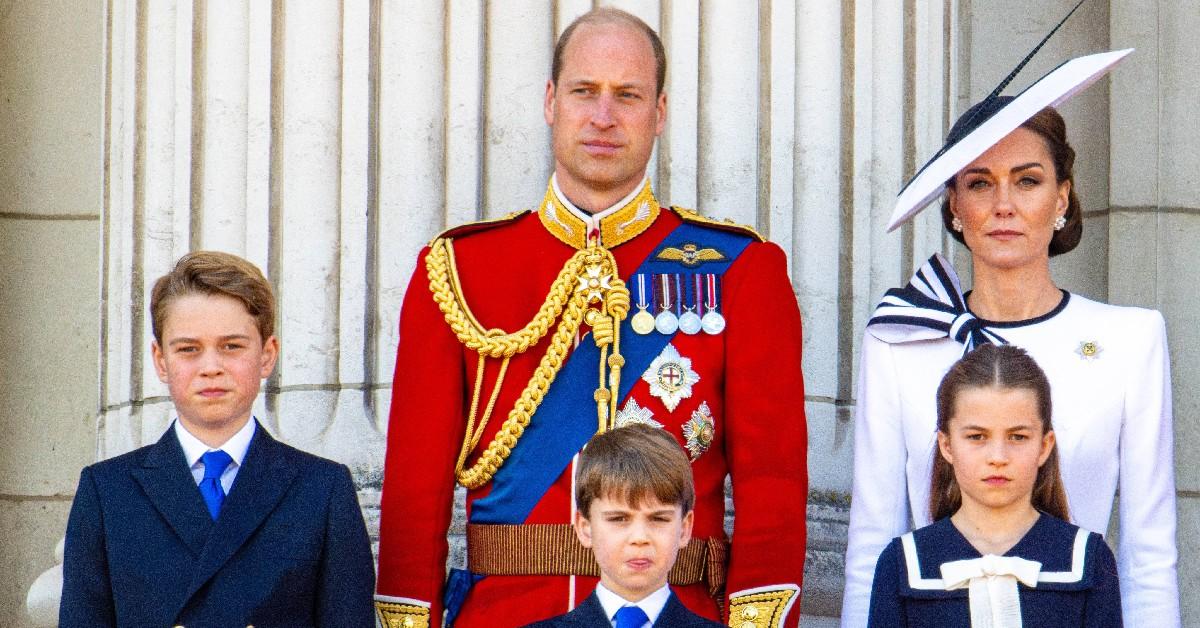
point(930, 306)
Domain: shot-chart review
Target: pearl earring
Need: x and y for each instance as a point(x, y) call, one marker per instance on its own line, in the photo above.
point(1059, 223)
point(956, 224)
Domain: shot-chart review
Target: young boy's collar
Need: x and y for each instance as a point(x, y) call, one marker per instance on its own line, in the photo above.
point(652, 604)
point(236, 446)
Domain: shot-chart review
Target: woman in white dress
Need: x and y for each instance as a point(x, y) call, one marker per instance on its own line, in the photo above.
point(1014, 207)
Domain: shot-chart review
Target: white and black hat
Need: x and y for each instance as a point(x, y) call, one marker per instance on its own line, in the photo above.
point(993, 118)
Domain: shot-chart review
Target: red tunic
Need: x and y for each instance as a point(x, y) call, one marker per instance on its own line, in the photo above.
point(749, 377)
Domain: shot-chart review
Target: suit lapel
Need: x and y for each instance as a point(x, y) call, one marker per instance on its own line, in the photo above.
point(168, 484)
point(675, 614)
point(261, 483)
point(589, 613)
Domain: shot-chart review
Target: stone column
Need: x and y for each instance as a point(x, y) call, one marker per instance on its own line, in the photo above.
point(1155, 221)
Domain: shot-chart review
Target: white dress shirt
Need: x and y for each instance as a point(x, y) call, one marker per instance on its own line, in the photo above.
point(652, 604)
point(1112, 421)
point(236, 446)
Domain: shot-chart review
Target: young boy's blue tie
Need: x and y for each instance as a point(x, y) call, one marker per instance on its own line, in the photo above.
point(210, 487)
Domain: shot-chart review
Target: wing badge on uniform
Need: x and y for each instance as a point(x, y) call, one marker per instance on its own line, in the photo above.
point(633, 413)
point(699, 431)
point(690, 254)
point(671, 377)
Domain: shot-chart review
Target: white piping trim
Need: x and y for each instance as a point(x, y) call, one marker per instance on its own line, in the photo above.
point(914, 567)
point(915, 581)
point(1077, 556)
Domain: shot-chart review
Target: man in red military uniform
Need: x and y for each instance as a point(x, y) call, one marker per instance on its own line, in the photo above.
point(522, 337)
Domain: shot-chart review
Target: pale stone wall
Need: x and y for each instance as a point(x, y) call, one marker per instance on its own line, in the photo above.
point(327, 142)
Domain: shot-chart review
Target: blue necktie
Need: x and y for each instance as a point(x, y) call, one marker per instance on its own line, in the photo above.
point(210, 487)
point(631, 617)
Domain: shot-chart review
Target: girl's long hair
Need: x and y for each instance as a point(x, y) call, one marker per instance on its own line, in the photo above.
point(1008, 368)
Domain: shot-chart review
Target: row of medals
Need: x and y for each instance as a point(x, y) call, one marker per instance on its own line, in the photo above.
point(667, 322)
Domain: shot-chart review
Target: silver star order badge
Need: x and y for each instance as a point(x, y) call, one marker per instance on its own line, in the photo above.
point(633, 413)
point(1089, 350)
point(671, 377)
point(698, 432)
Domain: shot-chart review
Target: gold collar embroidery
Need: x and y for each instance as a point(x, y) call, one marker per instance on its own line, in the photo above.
point(616, 228)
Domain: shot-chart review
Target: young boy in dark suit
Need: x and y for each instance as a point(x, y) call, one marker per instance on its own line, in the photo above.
point(634, 498)
point(216, 524)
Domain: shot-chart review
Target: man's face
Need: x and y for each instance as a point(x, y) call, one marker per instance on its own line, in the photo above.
point(212, 359)
point(635, 547)
point(604, 113)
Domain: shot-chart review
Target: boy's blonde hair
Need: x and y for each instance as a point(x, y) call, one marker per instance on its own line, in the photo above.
point(214, 272)
point(630, 463)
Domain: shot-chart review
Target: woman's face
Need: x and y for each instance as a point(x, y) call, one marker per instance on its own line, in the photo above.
point(1008, 200)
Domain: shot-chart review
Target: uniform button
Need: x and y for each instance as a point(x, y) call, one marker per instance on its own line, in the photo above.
point(748, 624)
point(750, 612)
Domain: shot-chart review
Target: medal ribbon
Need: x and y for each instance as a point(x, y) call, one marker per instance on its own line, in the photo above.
point(641, 284)
point(665, 280)
point(678, 294)
point(710, 304)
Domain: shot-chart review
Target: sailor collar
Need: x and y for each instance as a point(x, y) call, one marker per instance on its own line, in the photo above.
point(1068, 576)
point(616, 225)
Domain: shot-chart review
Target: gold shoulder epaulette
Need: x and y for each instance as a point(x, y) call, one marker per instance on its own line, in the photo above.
point(692, 216)
point(480, 225)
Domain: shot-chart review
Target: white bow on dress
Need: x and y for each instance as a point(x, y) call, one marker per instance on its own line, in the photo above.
point(991, 582)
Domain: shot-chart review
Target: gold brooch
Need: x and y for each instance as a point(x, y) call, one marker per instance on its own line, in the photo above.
point(1089, 350)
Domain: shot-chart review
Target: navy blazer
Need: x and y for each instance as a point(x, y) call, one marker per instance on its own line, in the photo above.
point(288, 549)
point(590, 614)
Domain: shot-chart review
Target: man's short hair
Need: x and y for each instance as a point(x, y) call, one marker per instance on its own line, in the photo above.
point(628, 464)
point(609, 15)
point(214, 273)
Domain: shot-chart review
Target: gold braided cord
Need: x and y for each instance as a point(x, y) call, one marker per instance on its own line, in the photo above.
point(448, 294)
point(474, 434)
point(510, 431)
point(590, 276)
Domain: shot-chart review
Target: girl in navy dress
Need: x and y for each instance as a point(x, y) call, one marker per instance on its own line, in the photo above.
point(1000, 553)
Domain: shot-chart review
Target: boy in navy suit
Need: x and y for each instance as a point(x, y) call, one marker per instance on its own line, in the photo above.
point(634, 497)
point(217, 524)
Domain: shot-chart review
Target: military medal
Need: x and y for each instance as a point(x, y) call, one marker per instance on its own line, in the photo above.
point(671, 377)
point(666, 322)
point(633, 413)
point(713, 323)
point(689, 321)
point(698, 432)
point(643, 321)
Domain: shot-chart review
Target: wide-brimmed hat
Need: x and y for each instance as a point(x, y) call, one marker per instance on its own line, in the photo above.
point(993, 118)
